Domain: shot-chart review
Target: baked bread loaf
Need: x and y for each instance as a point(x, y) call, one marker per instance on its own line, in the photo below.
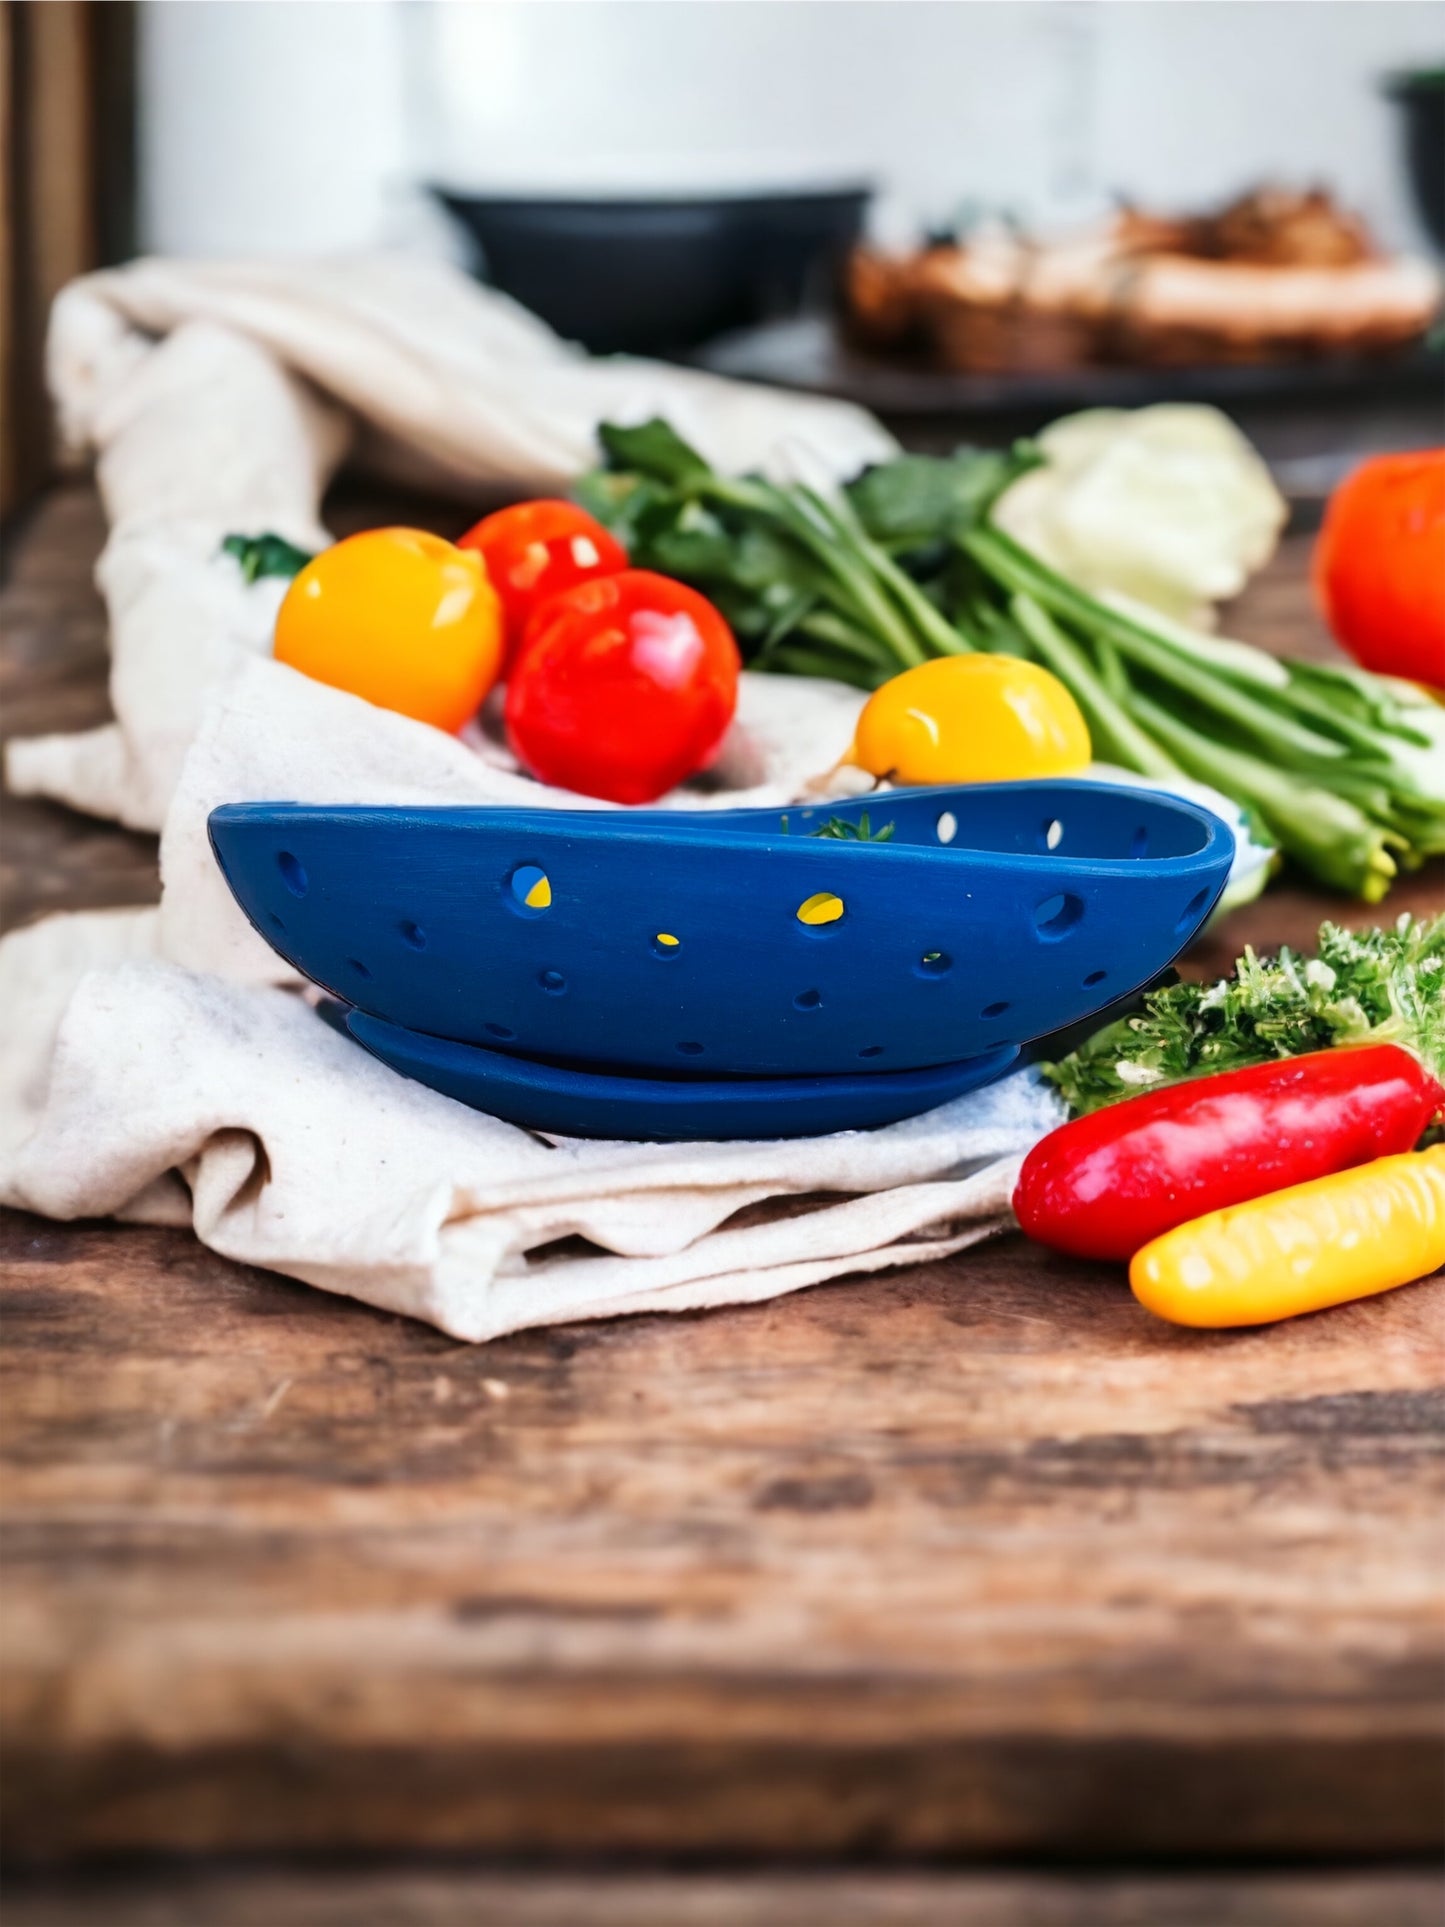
point(1275, 275)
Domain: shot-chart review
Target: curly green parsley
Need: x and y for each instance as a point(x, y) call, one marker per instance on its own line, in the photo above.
point(1363, 987)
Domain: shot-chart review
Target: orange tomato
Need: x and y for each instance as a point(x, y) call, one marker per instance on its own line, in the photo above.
point(400, 617)
point(1379, 565)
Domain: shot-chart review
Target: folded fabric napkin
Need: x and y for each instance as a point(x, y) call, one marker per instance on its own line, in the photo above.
point(136, 1089)
point(164, 1067)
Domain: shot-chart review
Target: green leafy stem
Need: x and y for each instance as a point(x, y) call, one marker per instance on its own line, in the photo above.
point(904, 565)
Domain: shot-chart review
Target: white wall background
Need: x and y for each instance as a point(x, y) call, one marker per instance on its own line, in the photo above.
point(299, 125)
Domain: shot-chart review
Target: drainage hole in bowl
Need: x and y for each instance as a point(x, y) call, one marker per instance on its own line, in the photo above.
point(412, 933)
point(293, 873)
point(500, 1032)
point(1056, 916)
point(1139, 842)
point(690, 1050)
point(665, 944)
point(934, 963)
point(552, 981)
point(275, 921)
point(360, 968)
point(822, 907)
point(871, 1050)
point(531, 889)
point(808, 1000)
point(947, 827)
point(1193, 911)
point(993, 1010)
point(1094, 977)
point(1052, 834)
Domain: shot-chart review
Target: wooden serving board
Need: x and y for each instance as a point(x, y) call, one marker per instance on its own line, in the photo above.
point(973, 1559)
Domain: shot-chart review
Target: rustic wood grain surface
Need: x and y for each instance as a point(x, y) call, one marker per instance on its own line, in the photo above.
point(974, 1560)
point(429, 1898)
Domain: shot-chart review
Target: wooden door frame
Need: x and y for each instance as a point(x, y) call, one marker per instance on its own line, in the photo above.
point(67, 194)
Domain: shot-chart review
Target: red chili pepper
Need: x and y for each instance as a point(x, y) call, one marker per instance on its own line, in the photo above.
point(1104, 1185)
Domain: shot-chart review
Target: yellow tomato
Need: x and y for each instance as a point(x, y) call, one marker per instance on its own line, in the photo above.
point(400, 617)
point(971, 719)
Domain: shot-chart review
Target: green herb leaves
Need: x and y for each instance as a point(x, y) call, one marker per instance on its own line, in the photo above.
point(923, 499)
point(1374, 986)
point(654, 450)
point(268, 554)
point(808, 581)
point(859, 832)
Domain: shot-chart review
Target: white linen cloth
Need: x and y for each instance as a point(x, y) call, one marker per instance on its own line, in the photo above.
point(159, 1095)
point(221, 397)
point(161, 1066)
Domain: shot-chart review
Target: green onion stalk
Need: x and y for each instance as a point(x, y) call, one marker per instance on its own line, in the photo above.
point(1343, 770)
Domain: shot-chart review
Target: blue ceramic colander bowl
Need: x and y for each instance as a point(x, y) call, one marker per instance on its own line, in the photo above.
point(734, 943)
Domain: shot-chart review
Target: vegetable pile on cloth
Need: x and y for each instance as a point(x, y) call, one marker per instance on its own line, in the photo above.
point(163, 1066)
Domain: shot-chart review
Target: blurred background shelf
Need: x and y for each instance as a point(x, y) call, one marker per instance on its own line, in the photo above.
point(813, 354)
point(1310, 419)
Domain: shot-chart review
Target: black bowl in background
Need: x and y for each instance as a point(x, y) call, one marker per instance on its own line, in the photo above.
point(1420, 98)
point(659, 275)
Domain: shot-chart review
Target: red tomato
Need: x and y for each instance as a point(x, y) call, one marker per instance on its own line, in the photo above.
point(536, 550)
point(1379, 565)
point(623, 687)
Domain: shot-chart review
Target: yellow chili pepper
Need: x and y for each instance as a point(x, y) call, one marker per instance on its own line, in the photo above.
point(1323, 1243)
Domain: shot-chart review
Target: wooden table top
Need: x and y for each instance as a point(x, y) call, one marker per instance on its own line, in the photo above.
point(969, 1560)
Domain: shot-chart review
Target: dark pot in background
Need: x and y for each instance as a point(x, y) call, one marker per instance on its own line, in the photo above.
point(1420, 98)
point(657, 276)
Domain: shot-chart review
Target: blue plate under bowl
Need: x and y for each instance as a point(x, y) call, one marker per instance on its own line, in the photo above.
point(573, 1102)
point(734, 942)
